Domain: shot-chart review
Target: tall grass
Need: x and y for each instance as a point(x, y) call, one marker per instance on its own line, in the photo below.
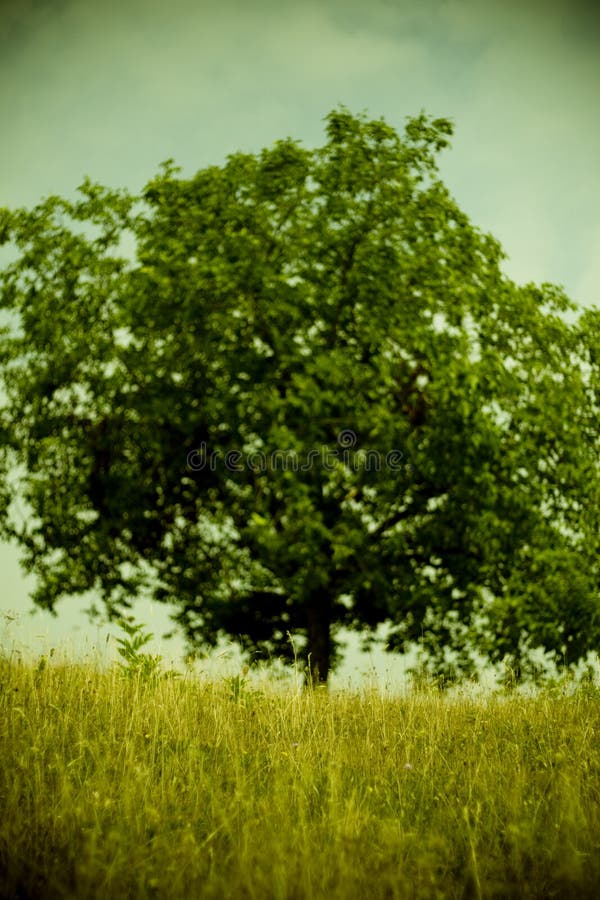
point(126, 786)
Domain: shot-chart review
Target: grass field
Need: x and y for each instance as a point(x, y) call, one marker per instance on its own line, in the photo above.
point(125, 785)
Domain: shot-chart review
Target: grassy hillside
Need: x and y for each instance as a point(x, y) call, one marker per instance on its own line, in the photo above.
point(131, 786)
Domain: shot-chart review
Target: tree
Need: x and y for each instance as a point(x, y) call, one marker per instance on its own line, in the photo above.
point(295, 393)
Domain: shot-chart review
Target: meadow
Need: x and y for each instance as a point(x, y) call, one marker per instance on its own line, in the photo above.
point(118, 783)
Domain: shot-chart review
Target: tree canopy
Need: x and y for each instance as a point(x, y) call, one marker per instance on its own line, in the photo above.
point(296, 393)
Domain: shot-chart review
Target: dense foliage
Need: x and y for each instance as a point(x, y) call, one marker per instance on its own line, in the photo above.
point(295, 393)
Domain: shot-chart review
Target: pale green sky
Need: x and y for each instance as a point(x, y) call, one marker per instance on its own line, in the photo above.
point(112, 88)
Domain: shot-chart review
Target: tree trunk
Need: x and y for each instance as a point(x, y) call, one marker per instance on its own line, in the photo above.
point(318, 634)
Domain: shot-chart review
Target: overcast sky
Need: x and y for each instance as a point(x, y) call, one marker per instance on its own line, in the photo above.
point(110, 89)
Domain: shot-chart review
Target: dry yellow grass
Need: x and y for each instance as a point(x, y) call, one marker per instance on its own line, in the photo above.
point(115, 786)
